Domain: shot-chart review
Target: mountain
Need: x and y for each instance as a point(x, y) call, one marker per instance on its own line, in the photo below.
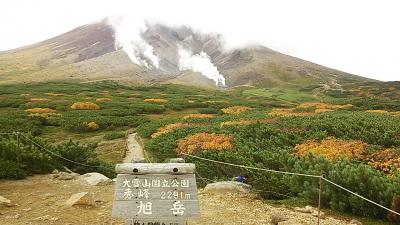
point(89, 53)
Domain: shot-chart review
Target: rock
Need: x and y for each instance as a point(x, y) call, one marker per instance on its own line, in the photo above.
point(55, 171)
point(176, 160)
point(81, 198)
point(315, 213)
point(4, 201)
point(355, 222)
point(302, 210)
point(27, 209)
point(64, 176)
point(276, 219)
point(95, 179)
point(48, 195)
point(227, 186)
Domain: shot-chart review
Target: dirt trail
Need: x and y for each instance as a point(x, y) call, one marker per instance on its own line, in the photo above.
point(40, 200)
point(135, 150)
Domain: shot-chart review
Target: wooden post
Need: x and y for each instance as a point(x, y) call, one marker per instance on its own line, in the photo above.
point(319, 197)
point(18, 149)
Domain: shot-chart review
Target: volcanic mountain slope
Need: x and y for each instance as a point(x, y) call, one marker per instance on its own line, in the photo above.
point(89, 53)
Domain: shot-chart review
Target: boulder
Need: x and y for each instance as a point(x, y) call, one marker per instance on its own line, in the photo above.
point(302, 210)
point(176, 160)
point(355, 222)
point(227, 186)
point(315, 213)
point(276, 219)
point(81, 198)
point(64, 176)
point(4, 201)
point(95, 179)
point(307, 209)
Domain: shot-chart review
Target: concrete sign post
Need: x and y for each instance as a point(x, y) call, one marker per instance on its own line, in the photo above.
point(156, 193)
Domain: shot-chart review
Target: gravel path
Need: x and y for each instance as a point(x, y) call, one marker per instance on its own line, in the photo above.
point(135, 150)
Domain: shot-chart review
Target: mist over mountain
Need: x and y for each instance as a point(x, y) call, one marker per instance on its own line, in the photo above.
point(159, 53)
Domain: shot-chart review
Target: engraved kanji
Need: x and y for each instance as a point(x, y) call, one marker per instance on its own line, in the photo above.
point(145, 208)
point(177, 208)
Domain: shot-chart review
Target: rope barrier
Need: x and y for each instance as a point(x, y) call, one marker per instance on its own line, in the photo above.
point(297, 174)
point(253, 168)
point(61, 157)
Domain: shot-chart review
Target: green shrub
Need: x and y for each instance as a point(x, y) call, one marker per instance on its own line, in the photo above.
point(10, 170)
point(209, 111)
point(114, 135)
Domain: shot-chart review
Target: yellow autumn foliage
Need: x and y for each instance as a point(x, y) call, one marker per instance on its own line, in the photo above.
point(320, 105)
point(204, 142)
point(397, 113)
point(85, 105)
point(288, 112)
point(156, 100)
point(169, 128)
point(198, 116)
point(92, 125)
point(38, 99)
point(103, 100)
point(333, 148)
point(54, 94)
point(40, 110)
point(235, 110)
point(237, 122)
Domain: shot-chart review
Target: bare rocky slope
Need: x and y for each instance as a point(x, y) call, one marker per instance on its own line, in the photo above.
point(88, 53)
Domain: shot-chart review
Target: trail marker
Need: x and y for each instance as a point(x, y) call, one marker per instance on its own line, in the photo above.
point(156, 193)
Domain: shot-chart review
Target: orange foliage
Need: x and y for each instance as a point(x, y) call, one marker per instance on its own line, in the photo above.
point(204, 142)
point(384, 159)
point(169, 128)
point(156, 100)
point(39, 99)
point(235, 110)
point(85, 105)
point(198, 116)
point(332, 148)
point(103, 100)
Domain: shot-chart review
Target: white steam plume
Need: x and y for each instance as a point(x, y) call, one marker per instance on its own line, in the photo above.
point(127, 36)
point(200, 63)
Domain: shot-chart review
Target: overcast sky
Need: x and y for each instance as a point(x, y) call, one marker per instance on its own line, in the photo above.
point(356, 36)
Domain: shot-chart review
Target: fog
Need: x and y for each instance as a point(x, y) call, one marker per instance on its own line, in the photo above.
point(358, 36)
